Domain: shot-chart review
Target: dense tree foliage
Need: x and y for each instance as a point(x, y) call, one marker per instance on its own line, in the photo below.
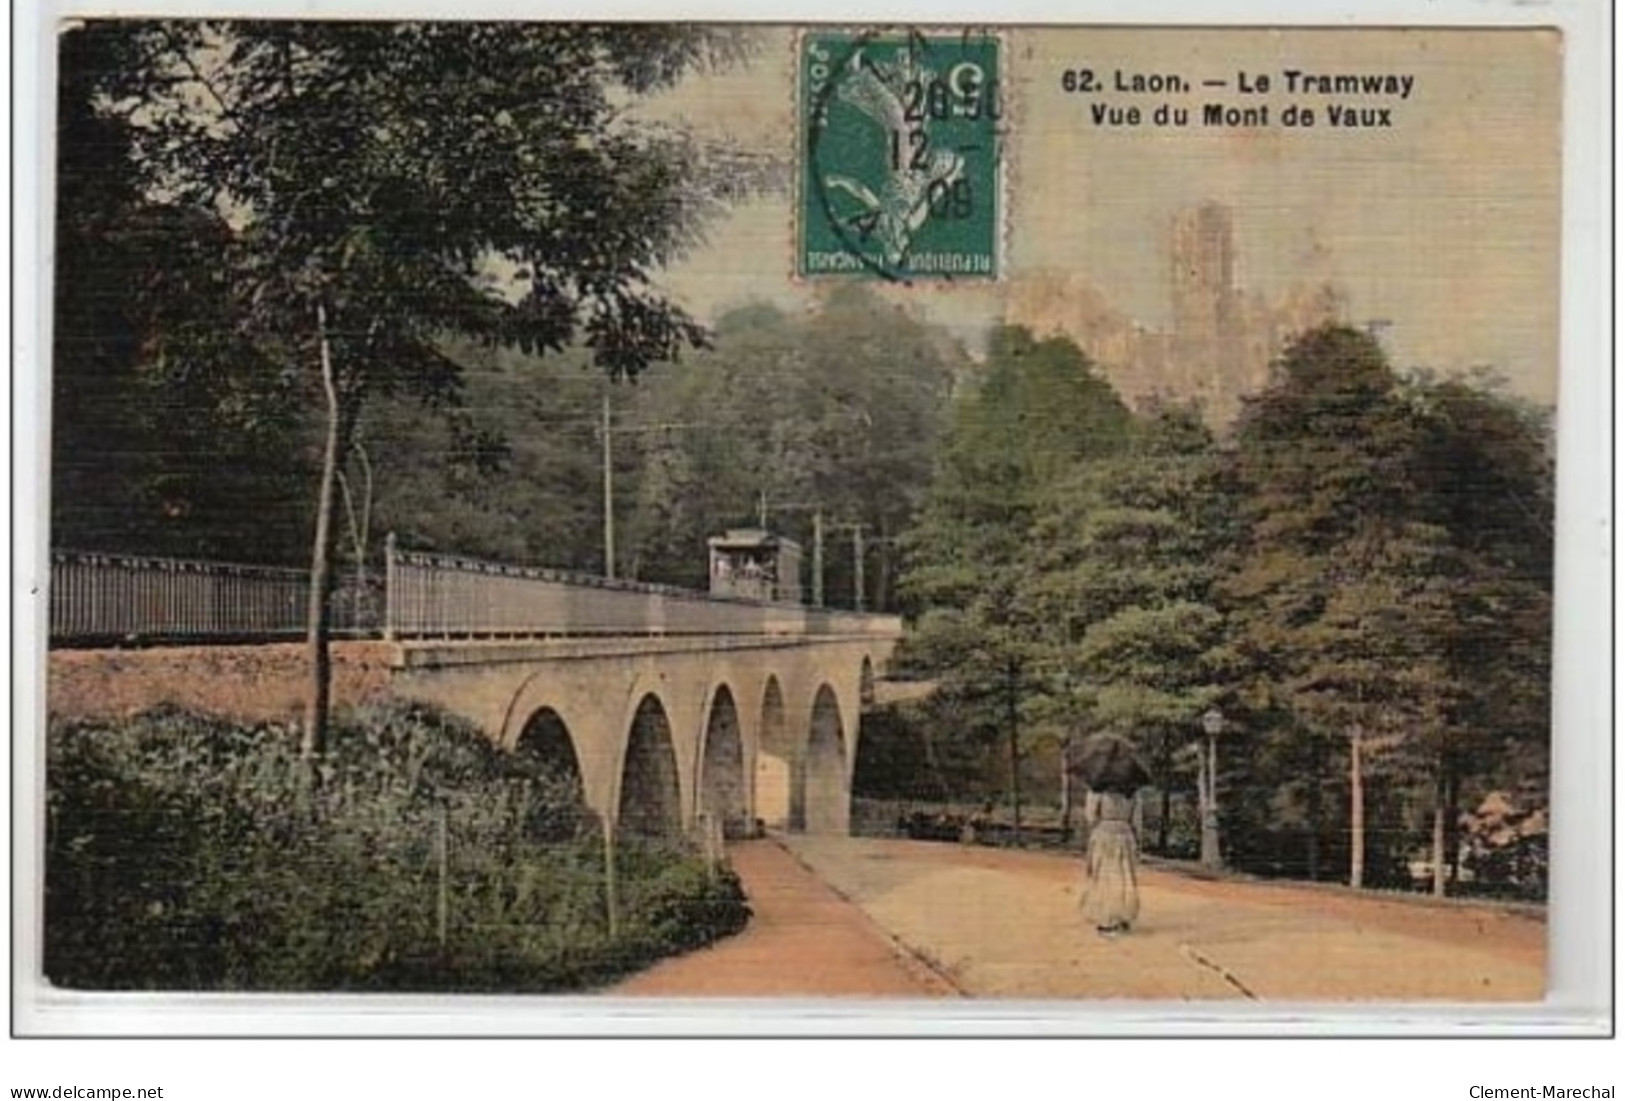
point(833, 414)
point(1117, 589)
point(836, 410)
point(1359, 577)
point(1034, 412)
point(320, 281)
point(390, 185)
point(162, 411)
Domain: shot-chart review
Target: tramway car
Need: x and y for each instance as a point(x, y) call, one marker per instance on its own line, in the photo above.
point(756, 565)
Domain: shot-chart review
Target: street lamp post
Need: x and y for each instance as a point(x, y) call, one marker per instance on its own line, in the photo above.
point(1207, 789)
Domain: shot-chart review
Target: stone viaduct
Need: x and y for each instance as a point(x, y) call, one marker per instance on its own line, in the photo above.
point(675, 709)
point(665, 731)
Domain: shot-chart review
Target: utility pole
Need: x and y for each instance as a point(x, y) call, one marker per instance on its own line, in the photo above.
point(609, 497)
point(857, 567)
point(818, 559)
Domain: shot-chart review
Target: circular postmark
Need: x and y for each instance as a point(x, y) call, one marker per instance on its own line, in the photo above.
point(901, 169)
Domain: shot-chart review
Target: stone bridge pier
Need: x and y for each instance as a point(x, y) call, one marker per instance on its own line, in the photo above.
point(664, 730)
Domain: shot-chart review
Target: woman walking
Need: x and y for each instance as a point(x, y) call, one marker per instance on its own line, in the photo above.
point(1111, 893)
point(1113, 772)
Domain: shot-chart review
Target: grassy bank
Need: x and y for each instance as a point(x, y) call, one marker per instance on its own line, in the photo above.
point(187, 853)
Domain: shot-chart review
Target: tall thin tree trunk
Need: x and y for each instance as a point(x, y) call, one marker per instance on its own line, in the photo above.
point(359, 530)
point(1012, 673)
point(1316, 809)
point(1356, 811)
point(1066, 789)
point(1167, 768)
point(1440, 799)
point(314, 737)
point(933, 767)
point(609, 492)
point(1452, 822)
point(883, 569)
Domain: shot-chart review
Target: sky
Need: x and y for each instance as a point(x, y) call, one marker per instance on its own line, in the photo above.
point(1446, 225)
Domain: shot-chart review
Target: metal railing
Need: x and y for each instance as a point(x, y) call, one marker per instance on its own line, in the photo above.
point(127, 598)
point(443, 596)
point(120, 597)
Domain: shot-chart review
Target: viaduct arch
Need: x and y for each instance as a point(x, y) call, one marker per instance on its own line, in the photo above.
point(659, 732)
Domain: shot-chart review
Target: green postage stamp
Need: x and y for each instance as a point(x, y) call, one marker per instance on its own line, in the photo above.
point(900, 172)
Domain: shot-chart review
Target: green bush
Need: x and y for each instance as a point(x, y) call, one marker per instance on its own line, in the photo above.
point(188, 853)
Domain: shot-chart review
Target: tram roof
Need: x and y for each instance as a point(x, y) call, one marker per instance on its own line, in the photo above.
point(749, 539)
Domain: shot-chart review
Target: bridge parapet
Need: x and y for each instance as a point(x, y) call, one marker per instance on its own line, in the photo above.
point(100, 598)
point(440, 596)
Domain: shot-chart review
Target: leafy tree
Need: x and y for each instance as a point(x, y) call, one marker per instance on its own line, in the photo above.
point(162, 410)
point(379, 175)
point(837, 413)
point(1368, 587)
point(1491, 484)
point(511, 473)
point(1326, 460)
point(1036, 411)
point(1117, 589)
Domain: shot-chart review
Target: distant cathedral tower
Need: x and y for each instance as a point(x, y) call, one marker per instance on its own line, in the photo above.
point(1203, 254)
point(1221, 340)
point(1207, 336)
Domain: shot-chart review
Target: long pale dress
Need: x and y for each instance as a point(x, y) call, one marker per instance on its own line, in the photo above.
point(1111, 892)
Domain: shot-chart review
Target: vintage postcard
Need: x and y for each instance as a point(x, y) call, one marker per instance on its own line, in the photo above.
point(1043, 514)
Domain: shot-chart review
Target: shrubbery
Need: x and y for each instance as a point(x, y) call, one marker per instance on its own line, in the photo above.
point(191, 853)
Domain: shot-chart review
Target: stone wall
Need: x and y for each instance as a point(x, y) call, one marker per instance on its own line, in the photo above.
point(252, 683)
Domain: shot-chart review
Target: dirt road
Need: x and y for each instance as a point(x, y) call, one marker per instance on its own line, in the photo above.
point(992, 923)
point(803, 940)
point(1005, 924)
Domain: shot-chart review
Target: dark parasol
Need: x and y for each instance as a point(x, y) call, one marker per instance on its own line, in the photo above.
point(1107, 762)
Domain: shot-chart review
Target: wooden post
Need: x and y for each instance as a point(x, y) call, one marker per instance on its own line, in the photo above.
point(391, 589)
point(443, 894)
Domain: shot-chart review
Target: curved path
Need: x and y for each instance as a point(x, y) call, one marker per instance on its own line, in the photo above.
point(996, 923)
point(1006, 924)
point(803, 940)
